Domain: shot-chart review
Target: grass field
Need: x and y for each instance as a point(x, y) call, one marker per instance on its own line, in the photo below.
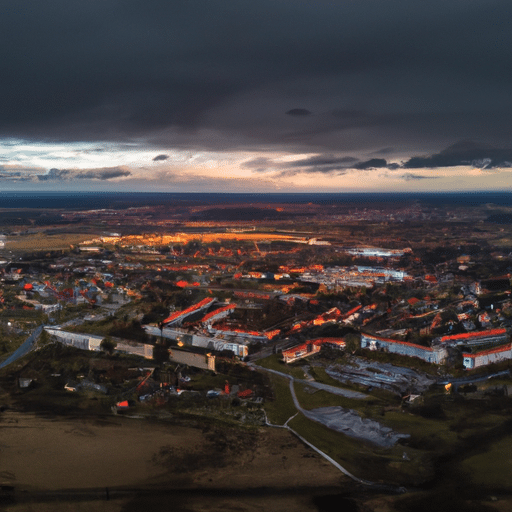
point(311, 398)
point(492, 468)
point(364, 460)
point(43, 242)
point(274, 362)
point(281, 408)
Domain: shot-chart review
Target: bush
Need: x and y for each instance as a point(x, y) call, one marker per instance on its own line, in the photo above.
point(108, 345)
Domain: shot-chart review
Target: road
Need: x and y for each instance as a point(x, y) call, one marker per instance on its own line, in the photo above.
point(25, 348)
point(471, 379)
point(348, 393)
point(331, 389)
point(303, 411)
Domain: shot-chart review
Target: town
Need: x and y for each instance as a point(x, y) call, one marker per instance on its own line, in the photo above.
point(395, 339)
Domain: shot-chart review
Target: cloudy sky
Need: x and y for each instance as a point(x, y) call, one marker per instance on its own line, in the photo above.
point(280, 95)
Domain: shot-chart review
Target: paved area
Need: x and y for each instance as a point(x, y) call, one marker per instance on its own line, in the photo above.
point(350, 423)
point(396, 379)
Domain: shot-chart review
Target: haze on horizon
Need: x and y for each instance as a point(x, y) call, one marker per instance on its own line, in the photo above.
point(267, 96)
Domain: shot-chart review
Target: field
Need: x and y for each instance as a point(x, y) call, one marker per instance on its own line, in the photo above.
point(54, 462)
point(44, 242)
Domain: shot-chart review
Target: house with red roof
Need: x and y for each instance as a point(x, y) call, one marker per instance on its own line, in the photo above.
point(309, 348)
point(298, 352)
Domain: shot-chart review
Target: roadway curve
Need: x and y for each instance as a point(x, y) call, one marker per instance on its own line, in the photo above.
point(25, 348)
point(331, 389)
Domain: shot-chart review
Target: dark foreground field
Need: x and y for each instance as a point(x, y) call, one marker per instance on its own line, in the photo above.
point(76, 464)
point(130, 464)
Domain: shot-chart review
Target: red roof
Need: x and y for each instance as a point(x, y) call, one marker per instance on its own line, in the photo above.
point(272, 334)
point(502, 348)
point(192, 308)
point(317, 343)
point(225, 328)
point(333, 341)
point(389, 340)
point(298, 348)
point(352, 311)
point(469, 335)
point(217, 311)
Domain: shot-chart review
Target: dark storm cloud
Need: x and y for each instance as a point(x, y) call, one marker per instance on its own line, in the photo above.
point(215, 75)
point(322, 163)
point(408, 176)
point(14, 174)
point(259, 164)
point(320, 160)
point(107, 173)
point(327, 163)
point(160, 158)
point(464, 153)
point(298, 112)
point(371, 164)
point(384, 151)
point(334, 171)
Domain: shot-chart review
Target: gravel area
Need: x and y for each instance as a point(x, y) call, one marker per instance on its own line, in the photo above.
point(350, 423)
point(397, 379)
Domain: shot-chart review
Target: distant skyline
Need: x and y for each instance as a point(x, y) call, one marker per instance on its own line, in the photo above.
point(261, 96)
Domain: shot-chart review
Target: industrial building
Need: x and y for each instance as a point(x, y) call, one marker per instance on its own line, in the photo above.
point(184, 338)
point(490, 337)
point(485, 357)
point(178, 317)
point(435, 354)
point(218, 314)
point(92, 342)
point(203, 361)
point(375, 252)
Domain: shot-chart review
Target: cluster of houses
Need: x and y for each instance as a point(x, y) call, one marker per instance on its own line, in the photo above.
point(384, 322)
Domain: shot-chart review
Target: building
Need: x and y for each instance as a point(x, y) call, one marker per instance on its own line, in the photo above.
point(485, 357)
point(435, 354)
point(489, 337)
point(218, 314)
point(93, 342)
point(203, 361)
point(309, 348)
point(178, 317)
point(376, 252)
point(238, 346)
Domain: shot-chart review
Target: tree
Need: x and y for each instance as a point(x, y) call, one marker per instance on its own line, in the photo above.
point(108, 345)
point(352, 342)
point(44, 339)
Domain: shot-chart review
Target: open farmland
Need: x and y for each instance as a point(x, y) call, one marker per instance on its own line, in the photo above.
point(44, 242)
